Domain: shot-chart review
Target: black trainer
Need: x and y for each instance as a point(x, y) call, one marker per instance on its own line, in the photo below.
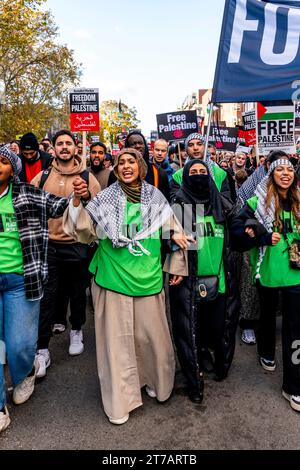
point(266, 364)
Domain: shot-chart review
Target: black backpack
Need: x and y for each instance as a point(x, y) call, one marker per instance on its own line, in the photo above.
point(84, 175)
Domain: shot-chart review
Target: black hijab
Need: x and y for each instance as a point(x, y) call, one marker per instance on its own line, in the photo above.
point(200, 189)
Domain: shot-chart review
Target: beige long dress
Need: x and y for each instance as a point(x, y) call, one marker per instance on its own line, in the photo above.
point(134, 346)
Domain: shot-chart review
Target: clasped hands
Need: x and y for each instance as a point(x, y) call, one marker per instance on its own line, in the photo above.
point(275, 235)
point(81, 191)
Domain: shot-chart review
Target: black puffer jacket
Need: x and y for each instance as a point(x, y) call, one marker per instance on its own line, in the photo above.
point(184, 318)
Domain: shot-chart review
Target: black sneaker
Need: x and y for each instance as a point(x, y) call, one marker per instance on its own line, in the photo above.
point(266, 364)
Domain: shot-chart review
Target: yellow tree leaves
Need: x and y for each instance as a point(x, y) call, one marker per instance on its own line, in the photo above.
point(114, 117)
point(35, 69)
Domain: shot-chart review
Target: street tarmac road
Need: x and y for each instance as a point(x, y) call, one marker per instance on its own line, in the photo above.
point(246, 411)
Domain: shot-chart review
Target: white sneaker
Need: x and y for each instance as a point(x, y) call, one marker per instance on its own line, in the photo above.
point(4, 419)
point(24, 390)
point(119, 421)
point(76, 343)
point(44, 360)
point(150, 392)
point(293, 399)
point(248, 337)
point(58, 328)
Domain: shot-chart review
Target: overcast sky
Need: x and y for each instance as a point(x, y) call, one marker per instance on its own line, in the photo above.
point(150, 54)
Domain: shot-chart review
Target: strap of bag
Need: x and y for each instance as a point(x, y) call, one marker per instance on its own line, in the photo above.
point(219, 272)
point(85, 175)
point(44, 177)
point(284, 233)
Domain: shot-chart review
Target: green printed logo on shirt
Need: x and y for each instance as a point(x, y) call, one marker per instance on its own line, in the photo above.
point(8, 223)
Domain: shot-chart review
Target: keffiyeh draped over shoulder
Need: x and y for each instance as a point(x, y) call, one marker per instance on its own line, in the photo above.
point(108, 208)
point(264, 215)
point(267, 216)
point(247, 190)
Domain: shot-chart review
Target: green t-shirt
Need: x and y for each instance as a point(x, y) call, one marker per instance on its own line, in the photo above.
point(11, 256)
point(116, 269)
point(210, 243)
point(219, 175)
point(275, 270)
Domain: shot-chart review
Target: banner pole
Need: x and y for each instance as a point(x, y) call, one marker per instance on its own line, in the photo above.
point(84, 144)
point(208, 128)
point(84, 147)
point(256, 145)
point(179, 154)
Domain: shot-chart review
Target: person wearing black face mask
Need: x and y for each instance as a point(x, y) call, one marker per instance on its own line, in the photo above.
point(204, 327)
point(198, 184)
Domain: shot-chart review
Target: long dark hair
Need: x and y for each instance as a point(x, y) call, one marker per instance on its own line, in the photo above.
point(293, 197)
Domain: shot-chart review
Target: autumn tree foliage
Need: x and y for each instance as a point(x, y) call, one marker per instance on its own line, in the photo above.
point(116, 117)
point(35, 70)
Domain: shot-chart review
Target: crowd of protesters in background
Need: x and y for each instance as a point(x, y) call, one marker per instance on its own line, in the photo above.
point(221, 229)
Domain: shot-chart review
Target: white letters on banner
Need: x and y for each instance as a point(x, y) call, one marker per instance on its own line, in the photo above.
point(268, 56)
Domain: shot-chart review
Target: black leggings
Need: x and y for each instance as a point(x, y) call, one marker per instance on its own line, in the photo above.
point(266, 337)
point(68, 280)
point(210, 327)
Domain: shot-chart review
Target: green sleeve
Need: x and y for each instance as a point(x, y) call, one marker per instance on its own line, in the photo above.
point(177, 177)
point(252, 203)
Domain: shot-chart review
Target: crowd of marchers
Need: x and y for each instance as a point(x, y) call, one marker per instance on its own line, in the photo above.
point(220, 229)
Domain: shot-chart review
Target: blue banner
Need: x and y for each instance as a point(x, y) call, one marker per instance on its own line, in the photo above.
point(259, 52)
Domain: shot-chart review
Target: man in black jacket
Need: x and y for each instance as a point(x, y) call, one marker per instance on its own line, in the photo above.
point(33, 160)
point(155, 175)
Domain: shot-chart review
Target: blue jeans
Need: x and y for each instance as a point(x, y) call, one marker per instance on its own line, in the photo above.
point(19, 321)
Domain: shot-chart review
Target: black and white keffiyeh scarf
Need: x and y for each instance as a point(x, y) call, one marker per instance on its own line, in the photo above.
point(108, 209)
point(264, 215)
point(247, 190)
point(267, 216)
